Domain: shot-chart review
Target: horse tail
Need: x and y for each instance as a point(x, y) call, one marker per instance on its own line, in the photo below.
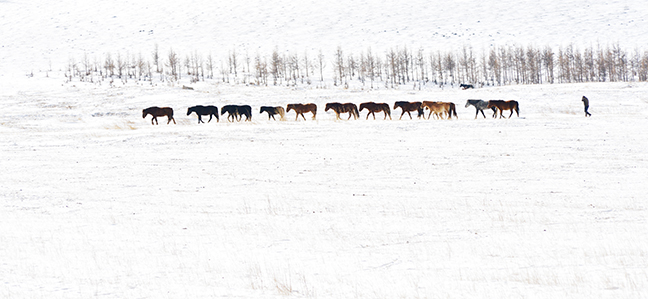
point(355, 111)
point(517, 108)
point(282, 113)
point(453, 110)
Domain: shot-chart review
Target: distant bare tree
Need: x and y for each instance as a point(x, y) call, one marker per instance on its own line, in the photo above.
point(307, 67)
point(261, 68)
point(338, 65)
point(109, 65)
point(156, 59)
point(352, 66)
point(391, 67)
point(141, 66)
point(449, 66)
point(420, 64)
point(210, 66)
point(321, 63)
point(548, 62)
point(371, 67)
point(173, 63)
point(233, 63)
point(276, 67)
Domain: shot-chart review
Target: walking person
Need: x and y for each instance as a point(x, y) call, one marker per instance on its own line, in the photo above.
point(586, 103)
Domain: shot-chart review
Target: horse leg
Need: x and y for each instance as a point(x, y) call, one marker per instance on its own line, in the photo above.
point(410, 115)
point(302, 114)
point(153, 119)
point(314, 114)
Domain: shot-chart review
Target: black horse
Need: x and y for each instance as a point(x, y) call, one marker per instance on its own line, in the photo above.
point(272, 111)
point(204, 110)
point(480, 106)
point(237, 111)
point(466, 86)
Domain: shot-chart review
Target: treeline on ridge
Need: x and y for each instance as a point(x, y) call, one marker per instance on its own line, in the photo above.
point(504, 65)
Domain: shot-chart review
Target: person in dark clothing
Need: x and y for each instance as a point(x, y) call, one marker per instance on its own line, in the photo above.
point(586, 103)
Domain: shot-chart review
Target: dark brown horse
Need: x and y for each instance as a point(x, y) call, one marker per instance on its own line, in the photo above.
point(157, 111)
point(204, 110)
point(376, 107)
point(300, 109)
point(504, 105)
point(272, 111)
point(408, 107)
point(338, 108)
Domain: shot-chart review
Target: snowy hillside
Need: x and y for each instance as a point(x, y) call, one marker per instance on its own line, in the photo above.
point(36, 33)
point(97, 202)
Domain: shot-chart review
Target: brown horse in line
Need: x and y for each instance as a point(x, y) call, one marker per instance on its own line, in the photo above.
point(504, 105)
point(440, 109)
point(408, 107)
point(338, 108)
point(157, 111)
point(376, 107)
point(300, 109)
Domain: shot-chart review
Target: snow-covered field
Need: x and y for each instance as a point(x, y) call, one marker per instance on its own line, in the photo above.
point(97, 202)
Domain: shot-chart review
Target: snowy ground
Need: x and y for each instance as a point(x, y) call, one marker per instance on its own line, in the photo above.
point(97, 202)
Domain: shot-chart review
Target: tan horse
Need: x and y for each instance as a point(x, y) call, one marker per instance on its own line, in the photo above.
point(300, 109)
point(376, 107)
point(504, 105)
point(338, 108)
point(440, 109)
point(157, 111)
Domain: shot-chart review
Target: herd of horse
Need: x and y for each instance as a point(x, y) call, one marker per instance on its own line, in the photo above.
point(438, 110)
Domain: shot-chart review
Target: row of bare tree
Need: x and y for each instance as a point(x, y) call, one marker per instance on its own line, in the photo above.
point(502, 65)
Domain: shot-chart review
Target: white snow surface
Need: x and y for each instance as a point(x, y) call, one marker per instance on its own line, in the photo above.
point(95, 202)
